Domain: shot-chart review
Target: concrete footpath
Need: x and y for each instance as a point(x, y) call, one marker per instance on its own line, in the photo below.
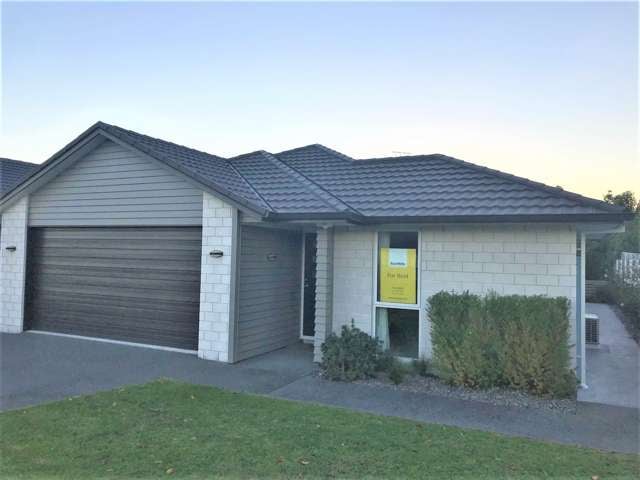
point(613, 367)
point(593, 425)
point(36, 369)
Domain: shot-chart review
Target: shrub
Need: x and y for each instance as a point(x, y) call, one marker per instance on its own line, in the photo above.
point(385, 361)
point(422, 367)
point(627, 296)
point(515, 341)
point(604, 294)
point(350, 356)
point(397, 371)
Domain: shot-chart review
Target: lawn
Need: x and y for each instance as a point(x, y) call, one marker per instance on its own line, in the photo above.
point(166, 429)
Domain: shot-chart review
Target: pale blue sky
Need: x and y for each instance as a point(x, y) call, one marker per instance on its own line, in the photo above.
point(543, 90)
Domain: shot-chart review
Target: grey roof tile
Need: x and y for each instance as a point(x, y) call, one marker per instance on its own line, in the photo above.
point(205, 167)
point(318, 182)
point(282, 188)
point(432, 186)
point(13, 172)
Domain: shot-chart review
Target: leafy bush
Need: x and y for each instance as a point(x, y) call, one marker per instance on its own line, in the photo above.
point(397, 372)
point(604, 294)
point(422, 367)
point(350, 356)
point(515, 341)
point(627, 296)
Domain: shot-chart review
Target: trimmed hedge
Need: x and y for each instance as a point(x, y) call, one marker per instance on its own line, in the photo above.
point(515, 341)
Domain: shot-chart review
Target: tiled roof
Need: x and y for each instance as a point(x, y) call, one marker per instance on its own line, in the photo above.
point(432, 186)
point(209, 169)
point(315, 182)
point(12, 172)
point(282, 188)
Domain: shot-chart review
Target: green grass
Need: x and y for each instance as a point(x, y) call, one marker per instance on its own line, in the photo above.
point(168, 429)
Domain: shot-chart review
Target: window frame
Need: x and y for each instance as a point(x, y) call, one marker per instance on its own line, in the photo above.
point(399, 306)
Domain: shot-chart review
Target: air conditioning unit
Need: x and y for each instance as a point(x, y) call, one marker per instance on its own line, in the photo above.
point(592, 332)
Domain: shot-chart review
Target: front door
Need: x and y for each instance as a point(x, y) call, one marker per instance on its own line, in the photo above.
point(309, 288)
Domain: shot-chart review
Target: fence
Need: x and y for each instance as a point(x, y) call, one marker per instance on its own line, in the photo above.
point(592, 286)
point(628, 268)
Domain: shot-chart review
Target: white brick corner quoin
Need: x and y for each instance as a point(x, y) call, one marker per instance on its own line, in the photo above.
point(215, 279)
point(13, 266)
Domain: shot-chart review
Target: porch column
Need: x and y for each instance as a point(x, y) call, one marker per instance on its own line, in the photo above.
point(324, 290)
point(219, 231)
point(581, 305)
point(13, 265)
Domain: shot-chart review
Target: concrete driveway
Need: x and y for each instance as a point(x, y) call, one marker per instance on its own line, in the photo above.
point(37, 368)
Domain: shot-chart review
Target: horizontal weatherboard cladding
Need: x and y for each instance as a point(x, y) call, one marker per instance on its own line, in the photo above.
point(268, 290)
point(133, 284)
point(112, 186)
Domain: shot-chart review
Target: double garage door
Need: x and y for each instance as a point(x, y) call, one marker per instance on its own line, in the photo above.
point(137, 285)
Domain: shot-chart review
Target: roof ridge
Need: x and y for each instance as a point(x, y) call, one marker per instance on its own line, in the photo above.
point(249, 184)
point(576, 197)
point(127, 131)
point(326, 196)
point(134, 142)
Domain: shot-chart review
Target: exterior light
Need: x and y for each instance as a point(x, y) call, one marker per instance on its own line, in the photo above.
point(216, 253)
point(11, 248)
point(271, 257)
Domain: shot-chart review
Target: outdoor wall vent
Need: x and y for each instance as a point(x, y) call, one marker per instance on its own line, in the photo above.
point(216, 253)
point(592, 333)
point(271, 257)
point(11, 248)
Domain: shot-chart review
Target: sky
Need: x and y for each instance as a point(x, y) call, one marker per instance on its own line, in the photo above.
point(548, 91)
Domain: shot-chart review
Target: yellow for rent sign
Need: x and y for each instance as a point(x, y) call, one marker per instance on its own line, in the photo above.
point(398, 275)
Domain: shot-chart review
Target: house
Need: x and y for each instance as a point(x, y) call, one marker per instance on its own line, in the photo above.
point(13, 172)
point(130, 238)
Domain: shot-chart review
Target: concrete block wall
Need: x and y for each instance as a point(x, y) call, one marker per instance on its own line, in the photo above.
point(353, 278)
point(13, 266)
point(324, 289)
point(218, 220)
point(507, 259)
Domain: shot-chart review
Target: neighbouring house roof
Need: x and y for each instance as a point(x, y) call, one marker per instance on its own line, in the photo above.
point(315, 182)
point(12, 172)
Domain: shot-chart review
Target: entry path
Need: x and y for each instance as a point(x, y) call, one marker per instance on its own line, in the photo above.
point(613, 368)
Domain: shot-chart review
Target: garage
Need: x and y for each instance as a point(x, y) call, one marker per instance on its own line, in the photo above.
point(138, 285)
point(269, 290)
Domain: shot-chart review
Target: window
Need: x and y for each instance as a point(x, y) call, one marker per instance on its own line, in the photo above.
point(397, 312)
point(399, 331)
point(398, 267)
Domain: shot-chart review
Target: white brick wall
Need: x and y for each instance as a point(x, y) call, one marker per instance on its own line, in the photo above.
point(506, 259)
point(353, 278)
point(215, 281)
point(324, 289)
point(13, 266)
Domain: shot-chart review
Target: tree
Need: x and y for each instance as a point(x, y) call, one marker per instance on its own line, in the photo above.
point(625, 199)
point(602, 253)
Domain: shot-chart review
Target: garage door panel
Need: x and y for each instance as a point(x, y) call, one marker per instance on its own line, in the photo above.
point(139, 285)
point(120, 319)
point(132, 244)
point(96, 233)
point(116, 253)
point(50, 296)
point(171, 265)
point(120, 285)
point(128, 273)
